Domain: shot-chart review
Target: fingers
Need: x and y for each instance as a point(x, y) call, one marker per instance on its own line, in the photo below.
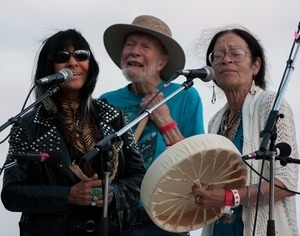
point(95, 177)
point(145, 102)
point(210, 197)
point(203, 196)
point(199, 191)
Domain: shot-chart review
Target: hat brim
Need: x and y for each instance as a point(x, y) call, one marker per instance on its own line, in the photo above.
point(114, 38)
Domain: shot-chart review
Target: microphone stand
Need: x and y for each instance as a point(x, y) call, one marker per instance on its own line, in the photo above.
point(108, 165)
point(107, 141)
point(12, 120)
point(269, 133)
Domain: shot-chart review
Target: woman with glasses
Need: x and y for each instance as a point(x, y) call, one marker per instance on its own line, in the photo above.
point(65, 195)
point(239, 64)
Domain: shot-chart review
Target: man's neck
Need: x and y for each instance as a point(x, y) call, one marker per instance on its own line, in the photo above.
point(145, 86)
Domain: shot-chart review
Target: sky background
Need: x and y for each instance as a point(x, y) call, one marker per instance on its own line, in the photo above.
point(24, 24)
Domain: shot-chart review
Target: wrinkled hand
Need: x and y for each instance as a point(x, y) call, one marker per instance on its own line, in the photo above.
point(211, 197)
point(161, 115)
point(80, 193)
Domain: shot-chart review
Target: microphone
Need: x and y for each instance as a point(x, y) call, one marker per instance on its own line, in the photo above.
point(282, 150)
point(64, 75)
point(253, 155)
point(205, 73)
point(37, 157)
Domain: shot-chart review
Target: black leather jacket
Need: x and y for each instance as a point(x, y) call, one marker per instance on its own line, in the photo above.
point(40, 190)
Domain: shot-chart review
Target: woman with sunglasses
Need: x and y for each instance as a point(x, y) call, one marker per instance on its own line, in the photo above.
point(65, 195)
point(239, 64)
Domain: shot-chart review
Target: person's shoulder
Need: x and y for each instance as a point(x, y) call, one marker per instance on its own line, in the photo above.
point(114, 92)
point(103, 103)
point(37, 116)
point(266, 96)
point(265, 100)
point(32, 113)
point(268, 99)
point(175, 85)
point(268, 93)
point(260, 95)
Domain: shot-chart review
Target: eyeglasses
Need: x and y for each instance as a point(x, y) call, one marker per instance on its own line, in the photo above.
point(64, 56)
point(237, 55)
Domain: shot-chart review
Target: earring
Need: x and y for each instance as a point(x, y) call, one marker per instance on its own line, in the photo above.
point(253, 90)
point(213, 98)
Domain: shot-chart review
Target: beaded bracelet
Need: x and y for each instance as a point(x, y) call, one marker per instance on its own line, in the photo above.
point(236, 198)
point(168, 127)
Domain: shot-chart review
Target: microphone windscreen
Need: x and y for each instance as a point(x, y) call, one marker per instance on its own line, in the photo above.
point(284, 149)
point(210, 74)
point(68, 74)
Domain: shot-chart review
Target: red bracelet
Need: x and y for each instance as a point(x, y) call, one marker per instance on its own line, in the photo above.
point(228, 197)
point(168, 127)
point(228, 202)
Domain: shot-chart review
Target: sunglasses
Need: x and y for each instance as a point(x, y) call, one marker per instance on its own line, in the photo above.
point(64, 56)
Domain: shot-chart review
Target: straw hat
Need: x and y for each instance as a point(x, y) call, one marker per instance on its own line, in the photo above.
point(115, 36)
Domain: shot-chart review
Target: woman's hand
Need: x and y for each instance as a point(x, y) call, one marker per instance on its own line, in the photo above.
point(88, 193)
point(211, 197)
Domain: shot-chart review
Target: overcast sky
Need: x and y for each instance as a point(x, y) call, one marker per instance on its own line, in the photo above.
point(23, 24)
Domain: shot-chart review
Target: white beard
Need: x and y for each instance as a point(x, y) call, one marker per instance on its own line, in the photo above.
point(134, 75)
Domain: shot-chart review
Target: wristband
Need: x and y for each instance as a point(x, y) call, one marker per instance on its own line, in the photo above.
point(236, 198)
point(168, 127)
point(228, 198)
point(228, 202)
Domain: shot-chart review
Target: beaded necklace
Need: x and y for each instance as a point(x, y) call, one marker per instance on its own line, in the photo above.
point(225, 125)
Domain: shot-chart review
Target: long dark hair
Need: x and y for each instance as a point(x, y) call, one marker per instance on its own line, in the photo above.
point(255, 48)
point(55, 43)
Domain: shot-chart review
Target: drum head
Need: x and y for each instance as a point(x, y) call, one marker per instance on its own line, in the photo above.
point(202, 160)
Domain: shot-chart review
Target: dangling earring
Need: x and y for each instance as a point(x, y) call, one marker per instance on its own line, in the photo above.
point(213, 98)
point(253, 90)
